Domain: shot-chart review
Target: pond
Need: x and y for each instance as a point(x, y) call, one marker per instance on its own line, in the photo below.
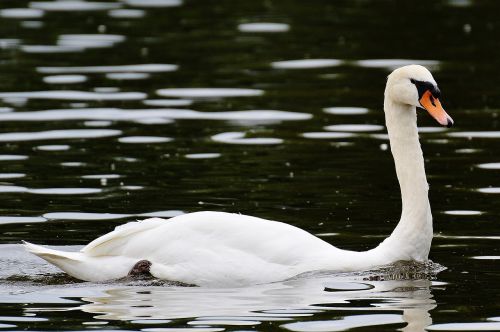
point(121, 110)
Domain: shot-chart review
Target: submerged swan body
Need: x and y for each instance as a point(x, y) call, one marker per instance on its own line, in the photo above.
point(225, 250)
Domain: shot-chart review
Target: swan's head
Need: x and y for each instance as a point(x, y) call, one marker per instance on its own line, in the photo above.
point(414, 85)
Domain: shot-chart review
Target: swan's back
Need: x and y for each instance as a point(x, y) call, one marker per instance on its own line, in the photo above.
point(204, 247)
point(192, 234)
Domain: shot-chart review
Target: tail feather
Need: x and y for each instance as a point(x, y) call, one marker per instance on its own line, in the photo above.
point(50, 254)
point(82, 266)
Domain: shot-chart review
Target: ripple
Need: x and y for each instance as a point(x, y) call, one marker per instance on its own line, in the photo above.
point(463, 212)
point(239, 138)
point(202, 155)
point(489, 166)
point(153, 3)
point(263, 27)
point(73, 164)
point(486, 257)
point(9, 43)
point(355, 127)
point(346, 110)
point(23, 13)
point(127, 76)
point(162, 214)
point(101, 176)
point(12, 157)
point(12, 189)
point(144, 139)
point(146, 68)
point(392, 64)
point(74, 95)
point(22, 319)
point(476, 134)
point(41, 49)
point(306, 63)
point(126, 13)
point(326, 135)
point(20, 220)
point(98, 123)
point(115, 114)
point(490, 190)
point(207, 321)
point(58, 134)
point(344, 323)
point(62, 147)
point(89, 40)
point(429, 130)
point(484, 326)
point(209, 92)
point(167, 102)
point(12, 175)
point(184, 329)
point(73, 5)
point(65, 191)
point(83, 216)
point(64, 79)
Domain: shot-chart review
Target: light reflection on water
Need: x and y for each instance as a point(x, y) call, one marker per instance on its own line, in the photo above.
point(286, 124)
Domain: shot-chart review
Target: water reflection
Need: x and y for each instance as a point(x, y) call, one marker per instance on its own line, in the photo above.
point(384, 302)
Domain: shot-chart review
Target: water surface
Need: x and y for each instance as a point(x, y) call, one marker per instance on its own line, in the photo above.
point(113, 111)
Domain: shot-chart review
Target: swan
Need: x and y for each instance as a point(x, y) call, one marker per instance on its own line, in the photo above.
point(229, 250)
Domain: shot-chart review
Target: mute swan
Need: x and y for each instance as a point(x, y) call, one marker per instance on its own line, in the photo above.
point(226, 250)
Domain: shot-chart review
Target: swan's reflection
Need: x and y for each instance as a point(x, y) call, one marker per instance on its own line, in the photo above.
point(374, 303)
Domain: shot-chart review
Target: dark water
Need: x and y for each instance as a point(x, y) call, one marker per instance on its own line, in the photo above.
point(92, 137)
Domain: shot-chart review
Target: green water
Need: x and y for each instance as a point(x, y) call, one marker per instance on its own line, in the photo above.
point(104, 151)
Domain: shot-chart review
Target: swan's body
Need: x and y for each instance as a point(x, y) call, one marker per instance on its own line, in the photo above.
point(223, 249)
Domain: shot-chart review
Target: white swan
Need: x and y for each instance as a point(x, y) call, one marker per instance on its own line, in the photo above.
point(224, 249)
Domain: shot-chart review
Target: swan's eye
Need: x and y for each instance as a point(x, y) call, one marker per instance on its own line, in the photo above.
point(423, 86)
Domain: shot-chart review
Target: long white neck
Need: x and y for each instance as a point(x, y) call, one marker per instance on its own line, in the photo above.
point(411, 239)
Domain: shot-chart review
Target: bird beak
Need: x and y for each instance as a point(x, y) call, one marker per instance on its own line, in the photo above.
point(433, 106)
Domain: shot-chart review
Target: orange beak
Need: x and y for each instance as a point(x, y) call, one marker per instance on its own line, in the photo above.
point(433, 106)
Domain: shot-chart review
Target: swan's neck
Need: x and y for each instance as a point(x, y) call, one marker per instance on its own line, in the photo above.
point(413, 235)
